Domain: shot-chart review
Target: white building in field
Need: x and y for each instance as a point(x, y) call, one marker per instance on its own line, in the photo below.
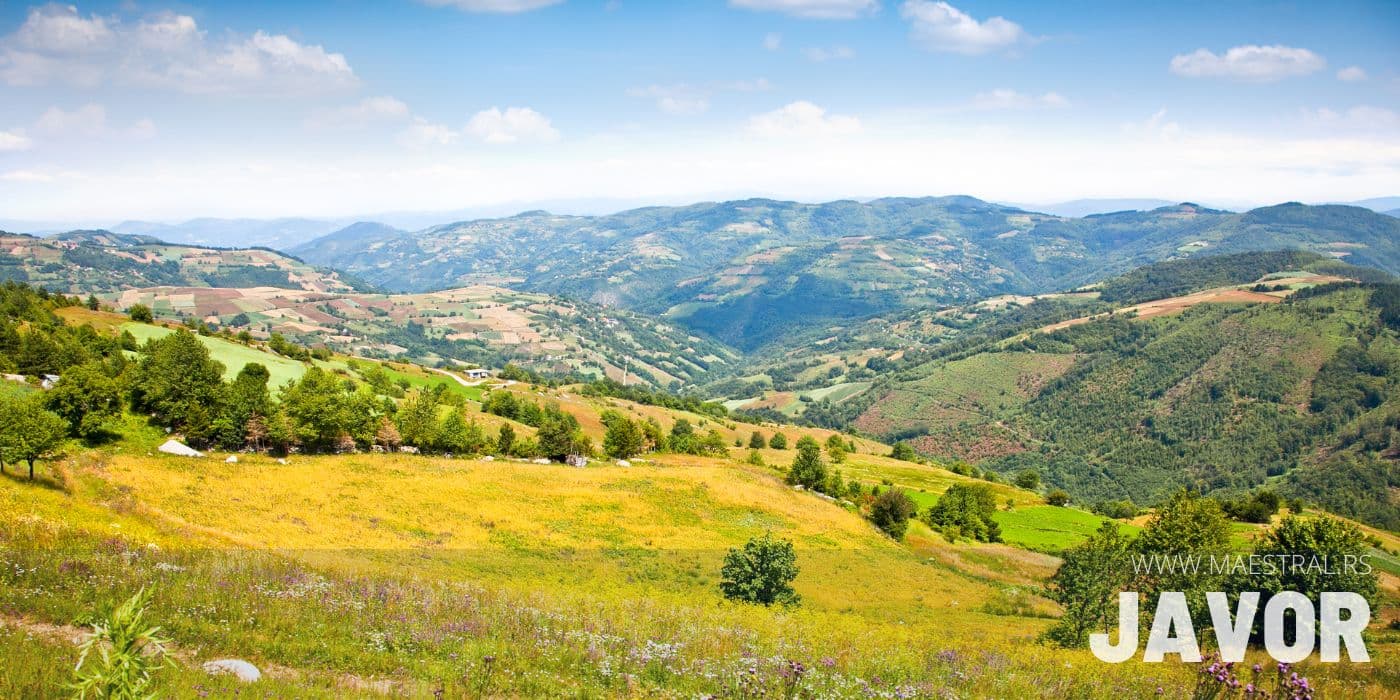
point(478, 373)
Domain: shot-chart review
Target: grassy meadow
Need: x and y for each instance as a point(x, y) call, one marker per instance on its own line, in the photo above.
point(373, 575)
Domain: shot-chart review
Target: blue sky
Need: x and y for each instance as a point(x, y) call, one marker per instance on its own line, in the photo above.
point(171, 110)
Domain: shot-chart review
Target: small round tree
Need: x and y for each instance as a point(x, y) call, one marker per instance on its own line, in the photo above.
point(140, 313)
point(761, 572)
point(891, 512)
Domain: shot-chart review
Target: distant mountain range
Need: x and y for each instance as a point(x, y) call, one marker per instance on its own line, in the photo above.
point(240, 233)
point(752, 272)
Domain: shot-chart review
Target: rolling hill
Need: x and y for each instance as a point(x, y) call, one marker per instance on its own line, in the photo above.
point(754, 272)
point(88, 262)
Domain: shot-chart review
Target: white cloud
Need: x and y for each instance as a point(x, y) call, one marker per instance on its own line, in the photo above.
point(1351, 74)
point(88, 122)
point(938, 26)
point(677, 99)
point(60, 29)
point(773, 41)
point(14, 141)
point(371, 110)
point(496, 6)
point(26, 176)
point(802, 118)
point(423, 134)
point(1359, 118)
point(1156, 127)
point(684, 99)
point(835, 53)
point(1011, 99)
point(813, 9)
point(1250, 62)
point(56, 44)
point(515, 124)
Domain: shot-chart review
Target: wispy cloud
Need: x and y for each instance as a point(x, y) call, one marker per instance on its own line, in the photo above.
point(495, 6)
point(14, 141)
point(1011, 99)
point(1250, 62)
point(88, 122)
point(1359, 118)
point(938, 26)
point(821, 55)
point(371, 110)
point(773, 41)
point(1352, 74)
point(687, 99)
point(813, 9)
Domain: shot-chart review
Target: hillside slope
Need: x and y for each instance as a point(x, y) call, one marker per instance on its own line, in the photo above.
point(755, 271)
point(1304, 394)
point(484, 325)
point(86, 262)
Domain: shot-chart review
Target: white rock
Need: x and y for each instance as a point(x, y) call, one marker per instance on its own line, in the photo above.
point(175, 447)
point(623, 463)
point(488, 458)
point(281, 461)
point(232, 459)
point(240, 669)
point(540, 460)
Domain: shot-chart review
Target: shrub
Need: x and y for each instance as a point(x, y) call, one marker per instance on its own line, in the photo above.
point(891, 512)
point(1028, 479)
point(140, 313)
point(902, 450)
point(1058, 497)
point(778, 441)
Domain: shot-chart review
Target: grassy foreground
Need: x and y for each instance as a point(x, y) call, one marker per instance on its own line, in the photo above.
point(367, 575)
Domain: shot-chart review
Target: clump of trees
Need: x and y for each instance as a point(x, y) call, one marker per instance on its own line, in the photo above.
point(965, 511)
point(1257, 507)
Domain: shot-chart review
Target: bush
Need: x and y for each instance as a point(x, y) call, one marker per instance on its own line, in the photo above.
point(140, 313)
point(762, 572)
point(1028, 479)
point(903, 451)
point(1058, 497)
point(891, 512)
point(778, 441)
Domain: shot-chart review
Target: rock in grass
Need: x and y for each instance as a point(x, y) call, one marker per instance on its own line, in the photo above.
point(238, 668)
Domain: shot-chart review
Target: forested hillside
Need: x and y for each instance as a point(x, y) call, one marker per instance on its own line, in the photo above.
point(1303, 395)
point(756, 272)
